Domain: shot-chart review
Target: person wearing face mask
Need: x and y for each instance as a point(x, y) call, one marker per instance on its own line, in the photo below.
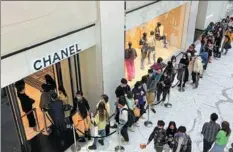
point(120, 91)
point(183, 73)
point(191, 50)
point(144, 48)
point(164, 84)
point(130, 56)
point(139, 93)
point(151, 88)
point(182, 141)
point(81, 116)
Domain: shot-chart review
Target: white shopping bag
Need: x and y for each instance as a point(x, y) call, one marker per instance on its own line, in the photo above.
point(94, 131)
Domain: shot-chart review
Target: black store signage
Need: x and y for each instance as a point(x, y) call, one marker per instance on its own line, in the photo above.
point(56, 57)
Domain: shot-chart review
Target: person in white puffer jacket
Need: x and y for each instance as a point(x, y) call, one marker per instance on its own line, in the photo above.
point(197, 68)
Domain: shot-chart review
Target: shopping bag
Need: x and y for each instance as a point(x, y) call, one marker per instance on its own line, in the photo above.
point(136, 112)
point(94, 131)
point(142, 146)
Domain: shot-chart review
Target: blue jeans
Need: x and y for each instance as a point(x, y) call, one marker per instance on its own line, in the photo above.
point(101, 133)
point(217, 148)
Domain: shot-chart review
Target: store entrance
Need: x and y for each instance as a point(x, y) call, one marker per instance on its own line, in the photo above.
point(45, 137)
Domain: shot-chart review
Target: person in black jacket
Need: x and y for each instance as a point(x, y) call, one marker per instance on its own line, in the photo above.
point(26, 104)
point(170, 133)
point(218, 40)
point(121, 90)
point(183, 72)
point(80, 103)
point(50, 82)
point(182, 141)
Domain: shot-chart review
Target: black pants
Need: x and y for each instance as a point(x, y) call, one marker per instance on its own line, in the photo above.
point(31, 119)
point(207, 145)
point(194, 76)
point(124, 132)
point(117, 114)
point(183, 84)
point(205, 66)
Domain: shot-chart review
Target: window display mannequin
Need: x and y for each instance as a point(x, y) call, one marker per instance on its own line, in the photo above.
point(151, 46)
point(157, 31)
point(144, 48)
point(130, 56)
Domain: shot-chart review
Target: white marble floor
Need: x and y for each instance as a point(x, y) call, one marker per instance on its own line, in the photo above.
point(190, 108)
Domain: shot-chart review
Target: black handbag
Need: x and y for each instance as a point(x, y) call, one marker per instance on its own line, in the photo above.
point(67, 107)
point(107, 129)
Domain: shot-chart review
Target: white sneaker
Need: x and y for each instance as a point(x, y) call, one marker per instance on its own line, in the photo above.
point(131, 129)
point(123, 142)
point(136, 124)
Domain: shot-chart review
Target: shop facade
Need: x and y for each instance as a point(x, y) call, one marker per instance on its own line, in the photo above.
point(90, 58)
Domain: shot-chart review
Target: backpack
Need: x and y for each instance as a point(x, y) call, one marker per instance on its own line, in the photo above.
point(131, 117)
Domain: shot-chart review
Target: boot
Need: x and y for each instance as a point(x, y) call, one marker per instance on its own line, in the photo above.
point(92, 147)
point(101, 142)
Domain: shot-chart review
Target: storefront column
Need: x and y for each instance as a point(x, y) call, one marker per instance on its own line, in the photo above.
point(110, 29)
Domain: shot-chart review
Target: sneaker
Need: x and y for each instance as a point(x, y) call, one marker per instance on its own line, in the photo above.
point(101, 142)
point(131, 129)
point(82, 140)
point(92, 147)
point(136, 124)
point(153, 110)
point(124, 142)
point(114, 126)
point(142, 117)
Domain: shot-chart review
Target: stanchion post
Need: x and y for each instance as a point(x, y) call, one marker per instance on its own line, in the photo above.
point(38, 126)
point(119, 148)
point(148, 123)
point(75, 147)
point(47, 132)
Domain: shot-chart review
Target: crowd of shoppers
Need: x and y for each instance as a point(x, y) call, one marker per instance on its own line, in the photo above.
point(131, 104)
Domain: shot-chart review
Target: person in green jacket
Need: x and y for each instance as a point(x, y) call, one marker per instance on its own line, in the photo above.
point(222, 138)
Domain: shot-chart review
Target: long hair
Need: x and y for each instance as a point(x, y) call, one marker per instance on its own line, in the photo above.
point(226, 127)
point(62, 89)
point(171, 123)
point(101, 110)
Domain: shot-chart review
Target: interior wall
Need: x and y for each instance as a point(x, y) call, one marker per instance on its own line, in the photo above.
point(111, 27)
point(91, 85)
point(172, 21)
point(23, 22)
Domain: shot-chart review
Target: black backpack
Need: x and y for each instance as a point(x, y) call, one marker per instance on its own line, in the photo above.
point(131, 117)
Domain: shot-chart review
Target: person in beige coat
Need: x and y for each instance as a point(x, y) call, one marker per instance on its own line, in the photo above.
point(197, 68)
point(151, 46)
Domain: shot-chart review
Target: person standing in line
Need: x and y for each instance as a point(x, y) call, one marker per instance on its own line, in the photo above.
point(50, 82)
point(170, 133)
point(131, 105)
point(123, 118)
point(58, 118)
point(130, 56)
point(151, 46)
point(226, 44)
point(209, 132)
point(218, 41)
point(66, 105)
point(222, 138)
point(100, 120)
point(210, 48)
point(151, 89)
point(182, 141)
point(121, 90)
point(144, 86)
point(26, 104)
point(197, 69)
point(164, 85)
point(45, 99)
point(183, 73)
point(139, 93)
point(104, 98)
point(144, 49)
point(81, 116)
point(159, 136)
